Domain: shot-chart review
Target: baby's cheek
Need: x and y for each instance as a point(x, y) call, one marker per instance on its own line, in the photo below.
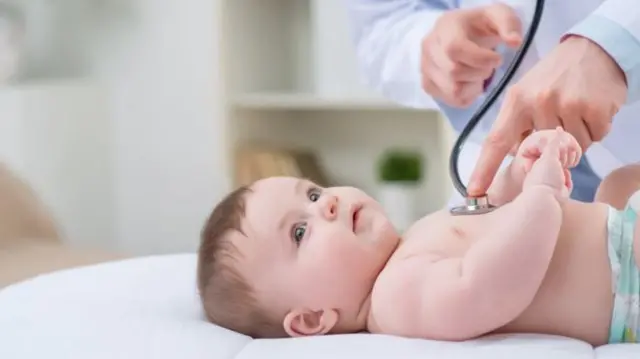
point(327, 257)
point(332, 258)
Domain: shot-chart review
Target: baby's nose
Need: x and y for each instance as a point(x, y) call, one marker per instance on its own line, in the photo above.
point(329, 207)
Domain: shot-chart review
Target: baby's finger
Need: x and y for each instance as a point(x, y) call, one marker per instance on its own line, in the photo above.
point(534, 149)
point(562, 153)
point(570, 157)
point(567, 180)
point(574, 158)
point(532, 152)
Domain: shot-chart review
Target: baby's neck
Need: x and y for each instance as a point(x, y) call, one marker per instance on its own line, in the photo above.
point(364, 316)
point(371, 326)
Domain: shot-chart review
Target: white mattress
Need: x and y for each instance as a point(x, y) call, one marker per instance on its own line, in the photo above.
point(148, 308)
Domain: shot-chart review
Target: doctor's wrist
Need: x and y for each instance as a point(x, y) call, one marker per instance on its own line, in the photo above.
point(595, 52)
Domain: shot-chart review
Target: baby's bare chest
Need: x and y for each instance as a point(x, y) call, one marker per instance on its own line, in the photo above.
point(448, 236)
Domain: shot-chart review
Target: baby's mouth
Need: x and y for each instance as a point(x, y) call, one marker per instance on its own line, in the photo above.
point(355, 217)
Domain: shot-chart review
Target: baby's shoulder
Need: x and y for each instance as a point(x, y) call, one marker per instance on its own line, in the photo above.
point(397, 292)
point(394, 295)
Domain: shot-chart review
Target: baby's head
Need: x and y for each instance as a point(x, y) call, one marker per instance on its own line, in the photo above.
point(284, 257)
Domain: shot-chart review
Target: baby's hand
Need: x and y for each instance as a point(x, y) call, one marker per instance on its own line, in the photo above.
point(533, 146)
point(558, 151)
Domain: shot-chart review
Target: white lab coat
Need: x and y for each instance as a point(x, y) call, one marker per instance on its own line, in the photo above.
point(392, 65)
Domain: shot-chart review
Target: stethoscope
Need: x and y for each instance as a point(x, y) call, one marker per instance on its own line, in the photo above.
point(481, 205)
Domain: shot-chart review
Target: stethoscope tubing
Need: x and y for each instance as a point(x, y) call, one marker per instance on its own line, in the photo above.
point(490, 100)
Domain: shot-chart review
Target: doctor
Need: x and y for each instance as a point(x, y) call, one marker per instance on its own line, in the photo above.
point(582, 72)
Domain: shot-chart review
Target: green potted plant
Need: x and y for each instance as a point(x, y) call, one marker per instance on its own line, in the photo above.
point(400, 173)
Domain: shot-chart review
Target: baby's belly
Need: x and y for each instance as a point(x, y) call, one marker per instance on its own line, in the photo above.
point(575, 298)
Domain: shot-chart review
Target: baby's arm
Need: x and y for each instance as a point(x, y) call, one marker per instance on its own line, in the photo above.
point(461, 298)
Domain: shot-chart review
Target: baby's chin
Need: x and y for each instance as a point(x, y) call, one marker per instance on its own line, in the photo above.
point(375, 226)
point(384, 231)
point(385, 239)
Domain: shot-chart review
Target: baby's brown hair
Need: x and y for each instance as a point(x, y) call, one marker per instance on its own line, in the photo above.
point(228, 299)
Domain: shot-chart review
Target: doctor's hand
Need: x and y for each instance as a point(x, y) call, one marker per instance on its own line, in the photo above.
point(577, 87)
point(458, 55)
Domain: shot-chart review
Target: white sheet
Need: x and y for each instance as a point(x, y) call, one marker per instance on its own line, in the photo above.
point(148, 308)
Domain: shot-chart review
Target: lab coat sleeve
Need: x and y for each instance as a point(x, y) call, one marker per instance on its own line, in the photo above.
point(615, 26)
point(388, 37)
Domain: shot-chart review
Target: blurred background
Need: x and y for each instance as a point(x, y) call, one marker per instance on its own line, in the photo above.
point(132, 118)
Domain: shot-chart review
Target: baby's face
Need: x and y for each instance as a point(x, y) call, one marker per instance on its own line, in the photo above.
point(313, 249)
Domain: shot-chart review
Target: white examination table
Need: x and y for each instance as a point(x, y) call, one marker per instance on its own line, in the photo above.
point(148, 308)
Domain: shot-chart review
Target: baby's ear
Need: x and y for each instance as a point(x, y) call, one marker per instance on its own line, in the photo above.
point(303, 322)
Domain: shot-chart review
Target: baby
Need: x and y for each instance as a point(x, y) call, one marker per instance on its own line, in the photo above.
point(284, 257)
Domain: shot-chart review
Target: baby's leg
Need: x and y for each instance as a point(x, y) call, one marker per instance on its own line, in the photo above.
point(617, 187)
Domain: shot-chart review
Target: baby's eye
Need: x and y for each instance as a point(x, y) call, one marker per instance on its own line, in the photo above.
point(314, 194)
point(298, 232)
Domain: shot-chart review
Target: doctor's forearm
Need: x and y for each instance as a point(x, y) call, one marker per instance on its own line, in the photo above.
point(388, 40)
point(615, 27)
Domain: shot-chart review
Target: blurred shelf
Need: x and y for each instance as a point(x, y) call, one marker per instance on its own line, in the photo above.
point(308, 101)
point(291, 78)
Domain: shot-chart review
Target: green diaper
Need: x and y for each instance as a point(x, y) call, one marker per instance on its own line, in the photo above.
point(625, 322)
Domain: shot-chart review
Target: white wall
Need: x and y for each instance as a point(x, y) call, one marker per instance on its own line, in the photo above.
point(57, 136)
point(132, 156)
point(159, 60)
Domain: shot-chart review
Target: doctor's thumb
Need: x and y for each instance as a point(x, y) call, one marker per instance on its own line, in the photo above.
point(504, 21)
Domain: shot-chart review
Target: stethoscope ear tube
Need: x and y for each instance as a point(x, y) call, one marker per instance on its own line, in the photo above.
point(472, 206)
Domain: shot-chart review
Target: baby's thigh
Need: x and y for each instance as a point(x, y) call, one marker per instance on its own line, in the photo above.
point(617, 187)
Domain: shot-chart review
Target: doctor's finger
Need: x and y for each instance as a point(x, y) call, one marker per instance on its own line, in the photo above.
point(504, 21)
point(443, 90)
point(553, 148)
point(598, 125)
point(428, 69)
point(545, 116)
point(455, 93)
point(459, 71)
point(467, 92)
point(578, 129)
point(473, 55)
point(463, 73)
point(494, 150)
point(430, 87)
point(508, 130)
point(457, 47)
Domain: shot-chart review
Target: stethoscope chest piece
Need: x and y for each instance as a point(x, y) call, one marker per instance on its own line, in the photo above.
point(479, 205)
